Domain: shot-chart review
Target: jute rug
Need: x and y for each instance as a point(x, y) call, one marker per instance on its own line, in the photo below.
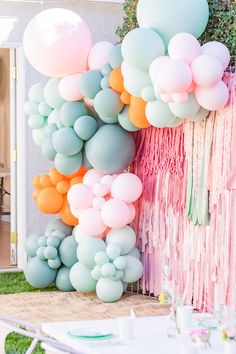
point(58, 306)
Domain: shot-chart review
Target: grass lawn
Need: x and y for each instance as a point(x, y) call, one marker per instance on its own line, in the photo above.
point(12, 283)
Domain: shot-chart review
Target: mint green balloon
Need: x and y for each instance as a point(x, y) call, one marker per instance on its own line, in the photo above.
point(105, 82)
point(109, 290)
point(90, 83)
point(40, 253)
point(106, 70)
point(42, 241)
point(135, 253)
point(47, 149)
point(107, 103)
point(66, 142)
point(81, 279)
point(63, 282)
point(85, 127)
point(135, 80)
point(44, 109)
point(141, 46)
point(53, 241)
point(39, 274)
point(101, 258)
point(159, 114)
point(124, 120)
point(109, 120)
point(115, 58)
point(67, 251)
point(148, 94)
point(50, 252)
point(133, 270)
point(87, 165)
point(52, 95)
point(96, 272)
point(39, 135)
point(88, 248)
point(36, 121)
point(31, 245)
point(168, 18)
point(68, 165)
point(54, 116)
point(120, 263)
point(108, 270)
point(31, 108)
point(201, 114)
point(177, 121)
point(186, 109)
point(51, 128)
point(54, 263)
point(57, 227)
point(113, 251)
point(124, 237)
point(118, 275)
point(36, 92)
point(70, 112)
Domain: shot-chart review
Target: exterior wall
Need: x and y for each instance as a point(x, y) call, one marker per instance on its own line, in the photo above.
point(103, 19)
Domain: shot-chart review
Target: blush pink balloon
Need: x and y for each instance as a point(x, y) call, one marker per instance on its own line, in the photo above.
point(107, 180)
point(155, 67)
point(92, 177)
point(75, 212)
point(166, 97)
point(57, 42)
point(180, 97)
point(212, 98)
point(184, 46)
point(158, 89)
point(127, 187)
point(79, 234)
point(115, 213)
point(98, 202)
point(80, 196)
point(99, 55)
point(217, 50)
point(89, 101)
point(206, 70)
point(175, 76)
point(91, 222)
point(100, 190)
point(132, 213)
point(69, 87)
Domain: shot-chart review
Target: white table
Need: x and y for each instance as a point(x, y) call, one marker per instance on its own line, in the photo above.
point(149, 337)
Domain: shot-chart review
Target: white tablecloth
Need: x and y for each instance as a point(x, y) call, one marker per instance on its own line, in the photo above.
point(149, 337)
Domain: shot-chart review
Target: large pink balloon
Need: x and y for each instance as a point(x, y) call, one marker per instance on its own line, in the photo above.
point(155, 67)
point(92, 177)
point(206, 70)
point(80, 196)
point(184, 46)
point(91, 222)
point(99, 55)
point(79, 234)
point(100, 190)
point(115, 213)
point(57, 42)
point(69, 87)
point(212, 98)
point(132, 212)
point(127, 187)
point(217, 50)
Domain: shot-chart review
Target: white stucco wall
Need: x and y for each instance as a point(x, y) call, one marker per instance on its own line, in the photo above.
point(103, 19)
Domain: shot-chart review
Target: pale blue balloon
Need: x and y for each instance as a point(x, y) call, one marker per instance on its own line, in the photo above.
point(40, 253)
point(105, 83)
point(31, 244)
point(88, 248)
point(186, 109)
point(120, 263)
point(31, 108)
point(54, 263)
point(47, 149)
point(107, 103)
point(201, 114)
point(67, 251)
point(124, 237)
point(109, 120)
point(42, 241)
point(176, 122)
point(111, 149)
point(63, 282)
point(115, 58)
point(81, 279)
point(108, 270)
point(159, 114)
point(118, 275)
point(106, 70)
point(44, 109)
point(51, 128)
point(101, 258)
point(141, 46)
point(50, 252)
point(96, 272)
point(113, 251)
point(90, 83)
point(109, 290)
point(36, 92)
point(135, 253)
point(36, 121)
point(68, 165)
point(58, 228)
point(39, 135)
point(85, 127)
point(148, 94)
point(39, 274)
point(54, 116)
point(135, 80)
point(53, 241)
point(168, 18)
point(87, 165)
point(70, 112)
point(133, 271)
point(125, 122)
point(66, 142)
point(52, 95)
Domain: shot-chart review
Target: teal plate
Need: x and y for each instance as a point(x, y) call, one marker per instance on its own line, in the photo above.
point(82, 335)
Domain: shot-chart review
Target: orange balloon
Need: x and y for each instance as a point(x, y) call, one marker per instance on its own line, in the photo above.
point(80, 172)
point(35, 194)
point(116, 80)
point(62, 187)
point(36, 182)
point(125, 97)
point(55, 176)
point(76, 180)
point(136, 112)
point(45, 181)
point(49, 200)
point(66, 215)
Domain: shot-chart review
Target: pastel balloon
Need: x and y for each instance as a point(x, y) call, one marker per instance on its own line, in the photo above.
point(120, 262)
point(47, 149)
point(115, 213)
point(31, 245)
point(155, 67)
point(180, 97)
point(86, 162)
point(94, 228)
point(175, 76)
point(52, 95)
point(107, 103)
point(39, 135)
point(135, 80)
point(36, 121)
point(54, 117)
point(127, 187)
point(109, 120)
point(188, 108)
point(31, 108)
point(105, 83)
point(214, 97)
point(70, 112)
point(162, 17)
point(217, 50)
point(90, 83)
point(124, 237)
point(115, 57)
point(80, 196)
point(49, 200)
point(101, 258)
point(99, 55)
point(92, 177)
point(148, 94)
point(44, 109)
point(68, 164)
point(57, 42)
point(39, 274)
point(81, 280)
point(141, 46)
point(137, 113)
point(75, 212)
point(85, 127)
point(79, 234)
point(166, 97)
point(66, 215)
point(206, 70)
point(98, 202)
point(63, 187)
point(109, 290)
point(132, 213)
point(159, 114)
point(108, 270)
point(87, 250)
point(135, 253)
point(116, 80)
point(201, 114)
point(100, 190)
point(66, 142)
point(63, 282)
point(36, 92)
point(67, 251)
point(184, 46)
point(113, 251)
point(107, 180)
point(69, 87)
point(133, 271)
point(57, 227)
point(106, 70)
point(176, 122)
point(125, 122)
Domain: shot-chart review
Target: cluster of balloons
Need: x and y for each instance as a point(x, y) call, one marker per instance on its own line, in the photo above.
point(51, 190)
point(51, 256)
point(107, 200)
point(108, 266)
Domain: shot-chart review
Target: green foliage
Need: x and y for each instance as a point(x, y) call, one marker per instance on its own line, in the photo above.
point(130, 20)
point(17, 344)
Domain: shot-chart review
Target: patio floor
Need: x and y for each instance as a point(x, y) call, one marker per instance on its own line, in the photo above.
point(4, 245)
point(59, 306)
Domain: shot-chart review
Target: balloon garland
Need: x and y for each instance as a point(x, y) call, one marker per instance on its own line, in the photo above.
point(84, 119)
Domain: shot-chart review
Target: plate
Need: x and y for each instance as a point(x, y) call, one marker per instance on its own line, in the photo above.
point(90, 334)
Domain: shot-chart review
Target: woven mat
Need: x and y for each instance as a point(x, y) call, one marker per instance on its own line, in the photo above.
point(58, 306)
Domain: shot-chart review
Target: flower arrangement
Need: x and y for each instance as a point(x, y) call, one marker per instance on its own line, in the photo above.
point(200, 336)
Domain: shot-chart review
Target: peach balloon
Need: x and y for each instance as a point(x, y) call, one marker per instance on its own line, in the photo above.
point(63, 187)
point(66, 214)
point(125, 97)
point(136, 112)
point(45, 181)
point(55, 176)
point(69, 87)
point(49, 200)
point(116, 80)
point(91, 222)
